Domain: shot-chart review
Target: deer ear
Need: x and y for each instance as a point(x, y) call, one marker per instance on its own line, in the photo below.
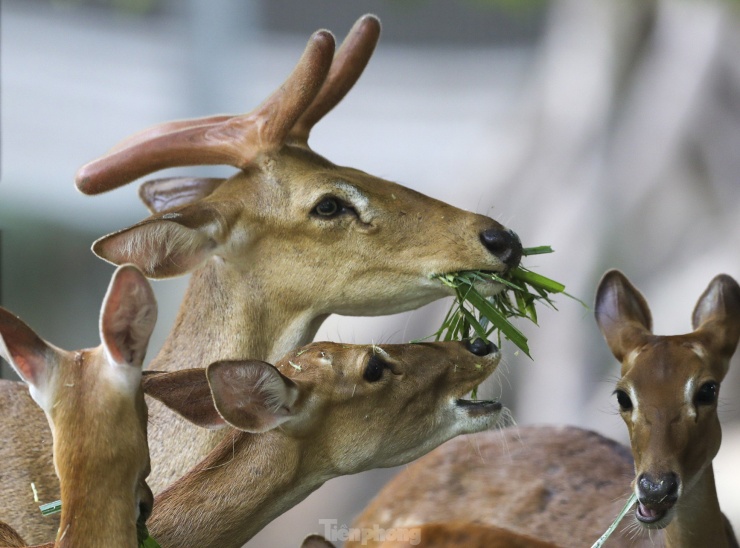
point(251, 395)
point(164, 194)
point(716, 318)
point(28, 354)
point(127, 316)
point(316, 541)
point(167, 244)
point(622, 314)
point(187, 393)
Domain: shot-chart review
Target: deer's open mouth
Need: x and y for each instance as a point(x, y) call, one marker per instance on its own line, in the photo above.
point(652, 517)
point(476, 408)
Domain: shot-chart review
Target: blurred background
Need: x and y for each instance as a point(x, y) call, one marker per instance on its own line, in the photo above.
point(609, 130)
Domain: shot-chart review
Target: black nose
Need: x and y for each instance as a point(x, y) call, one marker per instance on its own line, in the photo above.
point(661, 489)
point(504, 244)
point(479, 347)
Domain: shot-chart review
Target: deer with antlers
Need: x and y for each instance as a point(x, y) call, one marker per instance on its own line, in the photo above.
point(95, 407)
point(286, 241)
point(276, 248)
point(566, 485)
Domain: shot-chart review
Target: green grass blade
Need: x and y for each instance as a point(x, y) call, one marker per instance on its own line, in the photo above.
point(497, 319)
point(537, 280)
point(540, 250)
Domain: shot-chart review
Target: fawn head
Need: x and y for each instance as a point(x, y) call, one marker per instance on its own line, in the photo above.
point(669, 386)
point(318, 235)
point(364, 406)
point(92, 398)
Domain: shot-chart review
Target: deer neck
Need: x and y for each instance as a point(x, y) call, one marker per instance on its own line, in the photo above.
point(698, 522)
point(280, 471)
point(233, 314)
point(91, 517)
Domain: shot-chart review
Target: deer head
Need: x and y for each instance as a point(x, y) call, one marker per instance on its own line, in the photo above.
point(323, 410)
point(95, 407)
point(668, 394)
point(326, 238)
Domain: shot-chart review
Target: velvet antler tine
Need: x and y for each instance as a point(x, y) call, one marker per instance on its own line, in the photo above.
point(283, 108)
point(234, 141)
point(167, 127)
point(349, 63)
point(199, 145)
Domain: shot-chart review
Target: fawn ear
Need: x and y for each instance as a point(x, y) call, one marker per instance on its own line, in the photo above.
point(9, 538)
point(167, 244)
point(316, 541)
point(716, 318)
point(29, 355)
point(622, 314)
point(252, 395)
point(127, 316)
point(164, 194)
point(187, 393)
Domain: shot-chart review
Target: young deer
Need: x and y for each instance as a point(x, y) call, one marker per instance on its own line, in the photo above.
point(95, 407)
point(668, 398)
point(286, 241)
point(341, 409)
point(541, 481)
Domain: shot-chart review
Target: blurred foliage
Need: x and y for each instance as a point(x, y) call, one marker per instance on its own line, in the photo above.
point(510, 5)
point(129, 7)
point(513, 6)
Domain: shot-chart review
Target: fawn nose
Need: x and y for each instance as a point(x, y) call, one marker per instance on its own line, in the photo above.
point(659, 490)
point(503, 243)
point(479, 347)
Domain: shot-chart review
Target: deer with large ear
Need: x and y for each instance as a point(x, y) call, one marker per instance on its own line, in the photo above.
point(95, 407)
point(288, 239)
point(565, 484)
point(322, 411)
point(667, 396)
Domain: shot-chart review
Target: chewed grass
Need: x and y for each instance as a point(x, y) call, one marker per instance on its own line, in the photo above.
point(473, 315)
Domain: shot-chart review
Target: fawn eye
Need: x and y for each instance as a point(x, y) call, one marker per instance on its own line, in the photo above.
point(374, 369)
point(624, 401)
point(328, 207)
point(707, 393)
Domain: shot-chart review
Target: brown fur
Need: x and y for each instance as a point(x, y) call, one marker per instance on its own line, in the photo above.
point(9, 538)
point(95, 407)
point(670, 434)
point(266, 271)
point(266, 268)
point(566, 485)
point(538, 481)
point(339, 424)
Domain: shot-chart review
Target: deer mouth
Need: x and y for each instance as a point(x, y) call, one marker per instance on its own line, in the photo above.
point(653, 517)
point(479, 408)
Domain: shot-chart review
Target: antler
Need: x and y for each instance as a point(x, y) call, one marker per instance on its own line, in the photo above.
point(348, 65)
point(316, 85)
point(234, 141)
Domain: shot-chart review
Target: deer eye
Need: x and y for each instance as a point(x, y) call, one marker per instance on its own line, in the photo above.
point(328, 207)
point(624, 401)
point(374, 369)
point(707, 393)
